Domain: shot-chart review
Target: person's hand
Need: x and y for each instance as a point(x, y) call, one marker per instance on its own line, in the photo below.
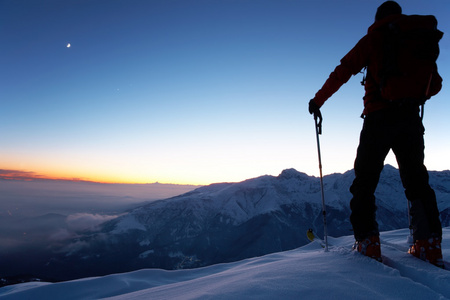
point(313, 108)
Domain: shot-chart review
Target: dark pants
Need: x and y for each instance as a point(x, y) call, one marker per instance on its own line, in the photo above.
point(402, 131)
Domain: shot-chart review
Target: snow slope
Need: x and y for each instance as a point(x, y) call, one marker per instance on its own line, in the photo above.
point(307, 272)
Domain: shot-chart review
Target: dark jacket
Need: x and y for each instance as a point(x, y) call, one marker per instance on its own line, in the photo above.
point(368, 53)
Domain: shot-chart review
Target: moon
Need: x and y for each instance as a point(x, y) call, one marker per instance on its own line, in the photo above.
point(68, 45)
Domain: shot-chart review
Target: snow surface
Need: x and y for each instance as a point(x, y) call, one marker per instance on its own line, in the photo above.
point(304, 273)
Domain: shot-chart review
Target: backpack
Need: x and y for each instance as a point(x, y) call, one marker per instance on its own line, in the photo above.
point(410, 49)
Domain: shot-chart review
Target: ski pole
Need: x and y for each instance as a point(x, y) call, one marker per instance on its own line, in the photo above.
point(318, 115)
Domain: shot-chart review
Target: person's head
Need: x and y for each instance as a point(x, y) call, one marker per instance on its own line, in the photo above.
point(386, 9)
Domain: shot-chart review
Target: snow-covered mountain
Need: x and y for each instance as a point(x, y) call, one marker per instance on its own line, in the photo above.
point(303, 273)
point(228, 222)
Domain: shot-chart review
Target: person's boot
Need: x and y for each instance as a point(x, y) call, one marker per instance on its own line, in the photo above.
point(369, 247)
point(428, 250)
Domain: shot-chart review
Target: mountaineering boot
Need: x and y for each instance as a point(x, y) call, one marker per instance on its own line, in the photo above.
point(429, 251)
point(369, 247)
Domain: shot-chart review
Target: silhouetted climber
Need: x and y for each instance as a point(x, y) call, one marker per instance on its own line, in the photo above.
point(399, 53)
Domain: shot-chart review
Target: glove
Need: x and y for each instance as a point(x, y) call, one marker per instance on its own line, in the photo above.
point(313, 107)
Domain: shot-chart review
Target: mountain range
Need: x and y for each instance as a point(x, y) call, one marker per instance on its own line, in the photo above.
point(227, 222)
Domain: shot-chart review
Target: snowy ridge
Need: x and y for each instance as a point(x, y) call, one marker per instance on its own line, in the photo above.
point(240, 201)
point(237, 203)
point(306, 272)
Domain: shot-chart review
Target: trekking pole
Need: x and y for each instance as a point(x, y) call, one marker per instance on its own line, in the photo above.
point(318, 115)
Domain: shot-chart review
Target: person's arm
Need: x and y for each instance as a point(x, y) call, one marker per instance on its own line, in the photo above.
point(351, 64)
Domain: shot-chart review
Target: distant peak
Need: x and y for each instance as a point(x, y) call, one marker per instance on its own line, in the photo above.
point(291, 173)
point(389, 167)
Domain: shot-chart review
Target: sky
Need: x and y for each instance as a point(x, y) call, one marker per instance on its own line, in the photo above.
point(187, 91)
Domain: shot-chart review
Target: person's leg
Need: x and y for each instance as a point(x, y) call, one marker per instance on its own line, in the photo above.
point(427, 231)
point(369, 162)
point(409, 151)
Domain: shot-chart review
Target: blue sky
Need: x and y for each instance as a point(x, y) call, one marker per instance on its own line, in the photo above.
point(187, 91)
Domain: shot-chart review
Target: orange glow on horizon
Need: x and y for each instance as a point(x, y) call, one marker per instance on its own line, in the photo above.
point(107, 179)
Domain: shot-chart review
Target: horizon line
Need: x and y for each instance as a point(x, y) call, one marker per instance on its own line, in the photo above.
point(19, 175)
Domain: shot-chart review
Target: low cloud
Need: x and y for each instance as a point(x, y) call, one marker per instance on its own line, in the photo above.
point(31, 176)
point(18, 175)
point(70, 240)
point(61, 235)
point(86, 221)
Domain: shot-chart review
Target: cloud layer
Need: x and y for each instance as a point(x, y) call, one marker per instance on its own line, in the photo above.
point(86, 221)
